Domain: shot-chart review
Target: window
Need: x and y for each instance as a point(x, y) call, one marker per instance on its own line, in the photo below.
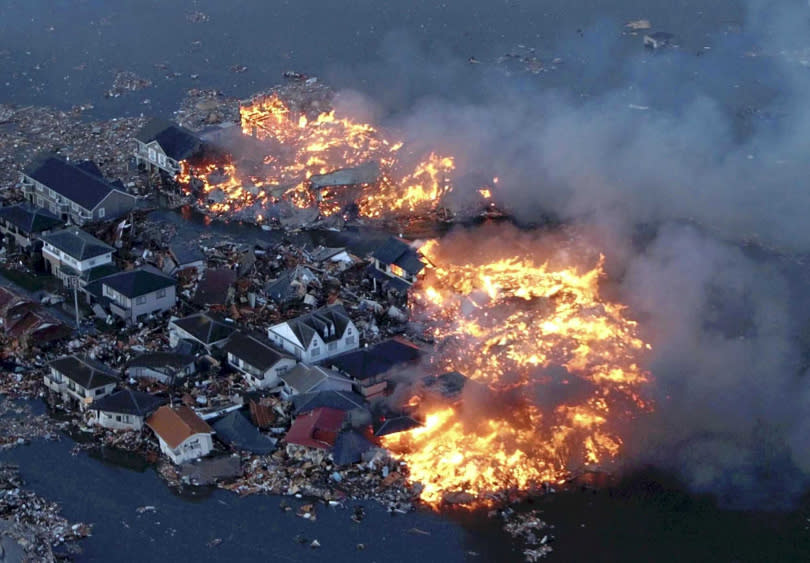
point(100, 390)
point(162, 160)
point(332, 346)
point(161, 293)
point(152, 155)
point(315, 352)
point(118, 418)
point(101, 212)
point(140, 300)
point(92, 262)
point(350, 340)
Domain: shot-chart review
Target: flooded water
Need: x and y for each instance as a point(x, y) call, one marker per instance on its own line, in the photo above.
point(66, 53)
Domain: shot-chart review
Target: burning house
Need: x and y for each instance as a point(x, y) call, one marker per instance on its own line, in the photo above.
point(162, 145)
point(396, 264)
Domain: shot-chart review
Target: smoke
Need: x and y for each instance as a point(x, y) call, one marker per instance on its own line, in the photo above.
point(702, 203)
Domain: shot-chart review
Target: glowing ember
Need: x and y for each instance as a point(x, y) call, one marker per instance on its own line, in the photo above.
point(558, 367)
point(300, 149)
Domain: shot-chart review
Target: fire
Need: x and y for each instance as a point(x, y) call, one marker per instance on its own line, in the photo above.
point(301, 147)
point(528, 328)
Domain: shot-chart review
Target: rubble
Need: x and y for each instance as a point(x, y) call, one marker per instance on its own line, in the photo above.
point(33, 523)
point(126, 81)
point(529, 530)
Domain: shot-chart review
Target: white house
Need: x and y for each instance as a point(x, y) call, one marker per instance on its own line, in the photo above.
point(317, 335)
point(183, 435)
point(163, 145)
point(261, 363)
point(73, 252)
point(125, 409)
point(80, 379)
point(135, 293)
point(74, 191)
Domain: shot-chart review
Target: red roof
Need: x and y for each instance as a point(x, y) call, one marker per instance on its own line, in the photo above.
point(317, 428)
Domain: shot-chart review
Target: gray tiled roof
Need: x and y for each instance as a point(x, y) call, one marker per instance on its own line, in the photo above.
point(74, 181)
point(77, 243)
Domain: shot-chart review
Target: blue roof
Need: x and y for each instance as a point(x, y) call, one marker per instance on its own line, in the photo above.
point(368, 363)
point(77, 182)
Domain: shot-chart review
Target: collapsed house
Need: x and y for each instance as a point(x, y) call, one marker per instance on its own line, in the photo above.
point(164, 367)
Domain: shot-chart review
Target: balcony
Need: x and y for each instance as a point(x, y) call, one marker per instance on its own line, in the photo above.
point(53, 383)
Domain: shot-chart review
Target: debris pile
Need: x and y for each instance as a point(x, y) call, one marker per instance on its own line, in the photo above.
point(126, 81)
point(34, 523)
point(529, 531)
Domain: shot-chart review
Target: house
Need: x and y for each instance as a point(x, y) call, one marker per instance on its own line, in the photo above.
point(183, 436)
point(27, 322)
point(337, 256)
point(354, 405)
point(135, 293)
point(202, 328)
point(318, 335)
point(292, 285)
point(72, 252)
point(165, 367)
point(184, 257)
point(308, 379)
point(75, 192)
point(23, 223)
point(81, 379)
point(396, 264)
point(162, 145)
point(317, 428)
point(125, 409)
point(235, 430)
point(350, 445)
point(261, 363)
point(370, 366)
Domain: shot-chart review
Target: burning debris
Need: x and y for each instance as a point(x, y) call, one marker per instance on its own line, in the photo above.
point(558, 364)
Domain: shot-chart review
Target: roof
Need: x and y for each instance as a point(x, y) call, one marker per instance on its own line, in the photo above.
point(286, 287)
point(29, 218)
point(394, 423)
point(350, 445)
point(304, 379)
point(258, 353)
point(316, 429)
point(367, 363)
point(176, 425)
point(78, 244)
point(367, 173)
point(341, 400)
point(170, 360)
point(398, 252)
point(84, 371)
point(213, 287)
point(74, 181)
point(388, 282)
point(448, 385)
point(238, 432)
point(177, 142)
point(135, 283)
point(127, 401)
point(186, 252)
point(305, 326)
point(204, 328)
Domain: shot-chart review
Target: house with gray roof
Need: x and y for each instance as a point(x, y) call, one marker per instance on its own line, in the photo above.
point(318, 335)
point(25, 222)
point(259, 361)
point(162, 145)
point(75, 192)
point(310, 379)
point(80, 378)
point(396, 264)
point(125, 409)
point(73, 252)
point(165, 367)
point(202, 328)
point(136, 293)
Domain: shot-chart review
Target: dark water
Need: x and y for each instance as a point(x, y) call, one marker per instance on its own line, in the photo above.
point(65, 53)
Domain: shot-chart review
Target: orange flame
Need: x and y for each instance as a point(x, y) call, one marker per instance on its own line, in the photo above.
point(503, 321)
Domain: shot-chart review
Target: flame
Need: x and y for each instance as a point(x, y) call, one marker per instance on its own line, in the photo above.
point(302, 146)
point(503, 321)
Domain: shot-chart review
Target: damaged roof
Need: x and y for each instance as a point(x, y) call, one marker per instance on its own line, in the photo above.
point(77, 244)
point(317, 428)
point(80, 183)
point(238, 432)
point(177, 142)
point(214, 286)
point(204, 328)
point(367, 173)
point(341, 400)
point(399, 253)
point(88, 373)
point(135, 283)
point(127, 401)
point(350, 445)
point(171, 360)
point(28, 218)
point(176, 425)
point(254, 351)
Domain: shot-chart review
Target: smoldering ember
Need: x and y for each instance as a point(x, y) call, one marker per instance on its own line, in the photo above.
point(351, 347)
